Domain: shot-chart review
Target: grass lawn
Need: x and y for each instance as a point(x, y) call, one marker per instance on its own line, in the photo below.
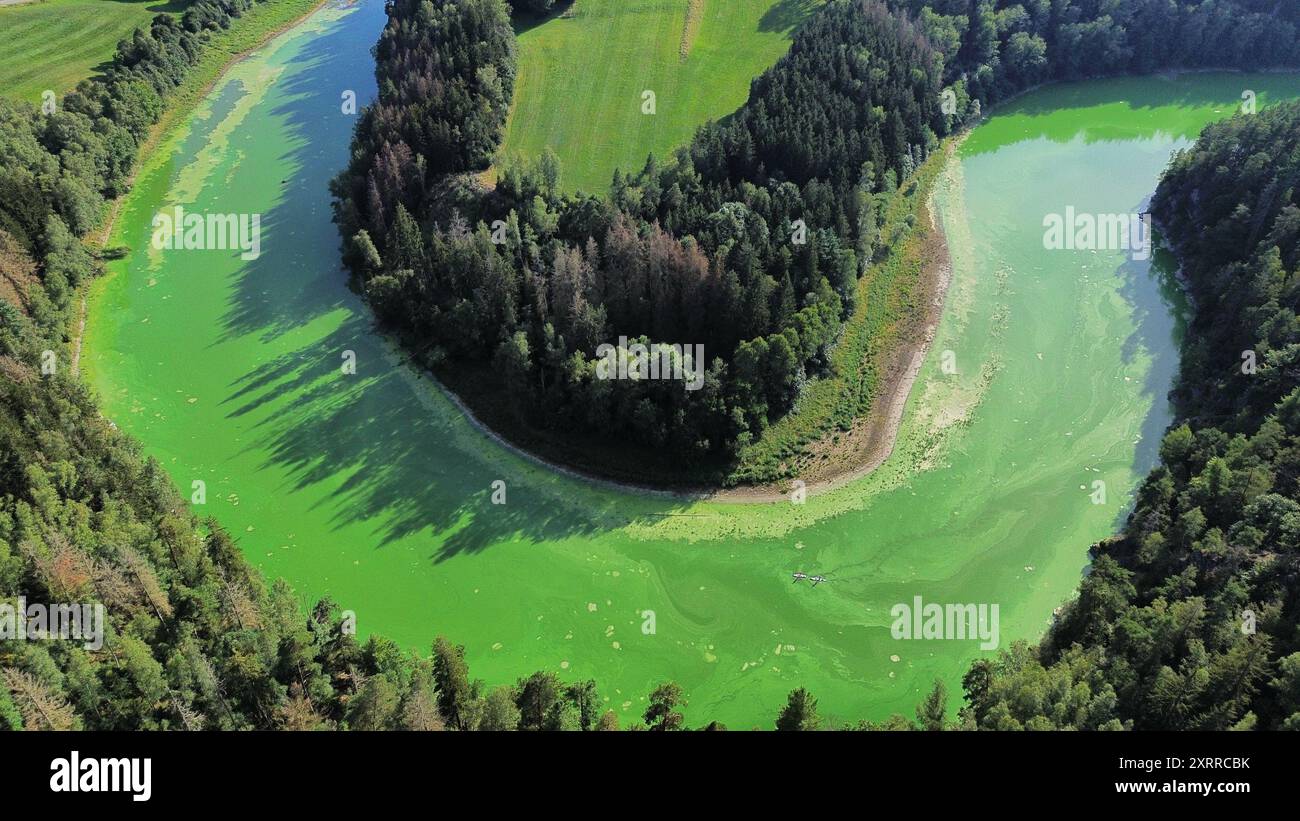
point(582, 74)
point(55, 44)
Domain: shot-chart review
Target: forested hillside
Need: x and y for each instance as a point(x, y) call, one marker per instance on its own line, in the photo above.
point(1188, 619)
point(742, 250)
point(993, 48)
point(701, 250)
point(194, 636)
point(1155, 638)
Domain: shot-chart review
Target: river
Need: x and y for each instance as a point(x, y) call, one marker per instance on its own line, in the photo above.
point(371, 488)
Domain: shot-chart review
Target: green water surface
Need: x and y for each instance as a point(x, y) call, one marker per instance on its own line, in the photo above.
point(372, 488)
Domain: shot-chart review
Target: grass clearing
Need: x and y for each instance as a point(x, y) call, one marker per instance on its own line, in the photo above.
point(583, 74)
point(55, 44)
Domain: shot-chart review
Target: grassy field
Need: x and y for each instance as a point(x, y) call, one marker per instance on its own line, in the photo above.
point(583, 73)
point(54, 44)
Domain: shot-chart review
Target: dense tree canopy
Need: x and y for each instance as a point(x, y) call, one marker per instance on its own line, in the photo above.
point(194, 637)
point(993, 48)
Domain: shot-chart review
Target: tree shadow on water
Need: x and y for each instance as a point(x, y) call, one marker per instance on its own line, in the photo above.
point(397, 456)
point(298, 276)
point(1160, 321)
point(387, 452)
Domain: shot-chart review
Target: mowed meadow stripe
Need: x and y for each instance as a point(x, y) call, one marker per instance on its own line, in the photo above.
point(694, 16)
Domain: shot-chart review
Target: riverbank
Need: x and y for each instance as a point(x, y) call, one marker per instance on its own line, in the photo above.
point(827, 440)
point(844, 458)
point(256, 27)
